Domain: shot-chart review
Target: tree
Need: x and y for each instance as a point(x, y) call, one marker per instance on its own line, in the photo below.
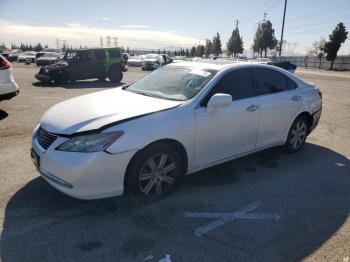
point(217, 45)
point(3, 47)
point(268, 40)
point(331, 48)
point(208, 48)
point(38, 47)
point(187, 53)
point(193, 51)
point(200, 50)
point(317, 50)
point(235, 44)
point(264, 38)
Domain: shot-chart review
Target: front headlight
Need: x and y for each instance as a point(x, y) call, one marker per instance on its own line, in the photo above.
point(91, 142)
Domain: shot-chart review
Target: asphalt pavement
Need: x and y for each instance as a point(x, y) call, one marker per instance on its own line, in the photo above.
point(270, 206)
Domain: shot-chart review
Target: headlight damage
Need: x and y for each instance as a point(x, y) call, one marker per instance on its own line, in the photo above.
point(91, 142)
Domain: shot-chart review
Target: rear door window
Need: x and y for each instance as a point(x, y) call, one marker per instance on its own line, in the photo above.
point(114, 53)
point(270, 81)
point(100, 54)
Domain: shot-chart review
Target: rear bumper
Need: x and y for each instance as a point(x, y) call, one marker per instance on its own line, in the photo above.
point(8, 91)
point(316, 117)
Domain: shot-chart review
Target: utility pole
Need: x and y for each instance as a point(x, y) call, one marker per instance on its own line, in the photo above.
point(108, 41)
point(64, 44)
point(57, 43)
point(101, 42)
point(284, 17)
point(115, 40)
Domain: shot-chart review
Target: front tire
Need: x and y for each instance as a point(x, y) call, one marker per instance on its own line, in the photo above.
point(154, 171)
point(297, 135)
point(61, 78)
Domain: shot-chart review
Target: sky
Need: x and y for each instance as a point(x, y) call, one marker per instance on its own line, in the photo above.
point(166, 24)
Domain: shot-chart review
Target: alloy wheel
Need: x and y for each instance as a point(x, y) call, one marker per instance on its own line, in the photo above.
point(157, 175)
point(298, 134)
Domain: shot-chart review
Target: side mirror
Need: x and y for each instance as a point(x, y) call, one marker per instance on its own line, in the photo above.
point(219, 100)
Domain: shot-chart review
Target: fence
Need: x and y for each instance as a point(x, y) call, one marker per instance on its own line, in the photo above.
point(341, 63)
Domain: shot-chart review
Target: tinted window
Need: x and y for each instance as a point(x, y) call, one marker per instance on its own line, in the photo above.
point(113, 53)
point(100, 54)
point(270, 81)
point(85, 56)
point(239, 84)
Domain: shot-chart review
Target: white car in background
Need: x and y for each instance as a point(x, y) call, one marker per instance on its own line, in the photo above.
point(179, 119)
point(135, 61)
point(8, 86)
point(152, 61)
point(28, 56)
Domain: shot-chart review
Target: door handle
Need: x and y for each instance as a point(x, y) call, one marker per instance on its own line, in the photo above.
point(252, 108)
point(296, 98)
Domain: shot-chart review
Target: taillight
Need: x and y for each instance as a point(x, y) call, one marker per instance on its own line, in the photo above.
point(4, 64)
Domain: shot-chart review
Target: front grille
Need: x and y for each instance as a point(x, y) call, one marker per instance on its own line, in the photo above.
point(45, 138)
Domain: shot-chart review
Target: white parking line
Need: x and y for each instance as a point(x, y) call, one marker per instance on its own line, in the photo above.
point(223, 218)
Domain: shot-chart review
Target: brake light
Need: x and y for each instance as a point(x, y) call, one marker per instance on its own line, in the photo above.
point(4, 64)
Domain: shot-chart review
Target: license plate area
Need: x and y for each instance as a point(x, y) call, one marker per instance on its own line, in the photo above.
point(35, 158)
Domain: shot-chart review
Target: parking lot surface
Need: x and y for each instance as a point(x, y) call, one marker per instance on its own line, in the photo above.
point(270, 206)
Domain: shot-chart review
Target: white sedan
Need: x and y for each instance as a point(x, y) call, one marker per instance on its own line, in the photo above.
point(179, 119)
point(8, 86)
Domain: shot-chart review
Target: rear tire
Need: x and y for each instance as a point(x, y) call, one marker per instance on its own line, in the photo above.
point(115, 74)
point(297, 134)
point(154, 171)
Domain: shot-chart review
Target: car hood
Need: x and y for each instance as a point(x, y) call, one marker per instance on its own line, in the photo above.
point(93, 111)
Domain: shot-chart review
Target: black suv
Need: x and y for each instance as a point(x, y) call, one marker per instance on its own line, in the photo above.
point(85, 64)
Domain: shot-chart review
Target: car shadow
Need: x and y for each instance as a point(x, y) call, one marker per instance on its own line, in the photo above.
point(81, 84)
point(3, 114)
point(308, 190)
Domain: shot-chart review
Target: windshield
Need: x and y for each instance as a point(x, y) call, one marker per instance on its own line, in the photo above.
point(173, 83)
point(50, 55)
point(151, 56)
point(70, 55)
point(136, 58)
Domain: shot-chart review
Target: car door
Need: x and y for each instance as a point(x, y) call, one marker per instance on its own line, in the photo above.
point(98, 67)
point(232, 129)
point(280, 101)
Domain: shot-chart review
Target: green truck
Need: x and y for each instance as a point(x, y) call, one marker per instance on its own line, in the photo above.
point(82, 64)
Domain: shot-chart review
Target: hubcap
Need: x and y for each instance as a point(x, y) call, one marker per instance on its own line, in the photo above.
point(298, 134)
point(157, 175)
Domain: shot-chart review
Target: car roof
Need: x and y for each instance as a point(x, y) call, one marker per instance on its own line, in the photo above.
point(215, 65)
point(208, 64)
